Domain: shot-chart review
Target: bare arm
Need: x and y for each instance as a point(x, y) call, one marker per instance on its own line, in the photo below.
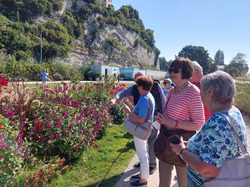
point(193, 160)
point(170, 123)
point(133, 115)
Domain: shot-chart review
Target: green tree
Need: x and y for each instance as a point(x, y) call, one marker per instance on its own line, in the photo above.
point(234, 72)
point(164, 64)
point(238, 62)
point(213, 68)
point(199, 54)
point(219, 58)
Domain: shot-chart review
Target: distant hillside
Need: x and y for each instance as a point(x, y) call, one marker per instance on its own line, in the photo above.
point(76, 35)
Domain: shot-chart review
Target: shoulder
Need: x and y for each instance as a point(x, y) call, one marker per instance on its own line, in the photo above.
point(193, 90)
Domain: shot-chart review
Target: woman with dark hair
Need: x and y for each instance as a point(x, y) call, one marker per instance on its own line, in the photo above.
point(216, 140)
point(140, 112)
point(184, 111)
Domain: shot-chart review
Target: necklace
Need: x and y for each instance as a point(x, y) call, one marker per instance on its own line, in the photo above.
point(178, 90)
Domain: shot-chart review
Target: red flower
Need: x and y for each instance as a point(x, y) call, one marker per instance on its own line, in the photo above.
point(3, 82)
point(0, 126)
point(38, 127)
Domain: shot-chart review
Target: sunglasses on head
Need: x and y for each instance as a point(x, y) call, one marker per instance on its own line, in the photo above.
point(174, 70)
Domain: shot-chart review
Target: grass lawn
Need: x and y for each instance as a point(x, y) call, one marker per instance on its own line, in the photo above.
point(96, 161)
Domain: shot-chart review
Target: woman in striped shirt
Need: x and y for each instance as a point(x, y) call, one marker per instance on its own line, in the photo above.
point(184, 111)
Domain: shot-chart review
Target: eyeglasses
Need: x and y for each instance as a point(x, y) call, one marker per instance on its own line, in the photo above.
point(174, 70)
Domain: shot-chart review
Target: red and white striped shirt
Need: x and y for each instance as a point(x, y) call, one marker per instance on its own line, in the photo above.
point(186, 106)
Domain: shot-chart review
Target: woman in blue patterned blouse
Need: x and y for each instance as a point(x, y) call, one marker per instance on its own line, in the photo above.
point(215, 141)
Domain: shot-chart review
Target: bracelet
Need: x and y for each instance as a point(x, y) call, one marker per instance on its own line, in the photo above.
point(176, 124)
point(182, 151)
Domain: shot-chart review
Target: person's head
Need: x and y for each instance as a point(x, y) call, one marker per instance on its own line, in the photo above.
point(144, 82)
point(183, 66)
point(167, 83)
point(221, 85)
point(138, 74)
point(198, 72)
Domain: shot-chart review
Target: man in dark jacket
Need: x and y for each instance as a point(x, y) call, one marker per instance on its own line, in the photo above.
point(159, 97)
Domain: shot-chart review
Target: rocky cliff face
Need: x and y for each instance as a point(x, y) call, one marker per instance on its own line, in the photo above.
point(101, 52)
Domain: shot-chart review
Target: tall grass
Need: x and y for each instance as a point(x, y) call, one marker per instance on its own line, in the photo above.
point(242, 96)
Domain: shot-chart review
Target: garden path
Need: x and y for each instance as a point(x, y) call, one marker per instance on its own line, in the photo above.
point(153, 180)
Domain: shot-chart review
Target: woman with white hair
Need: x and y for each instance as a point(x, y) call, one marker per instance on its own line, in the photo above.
point(216, 141)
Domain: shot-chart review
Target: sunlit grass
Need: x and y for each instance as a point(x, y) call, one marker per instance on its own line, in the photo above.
point(93, 165)
point(242, 100)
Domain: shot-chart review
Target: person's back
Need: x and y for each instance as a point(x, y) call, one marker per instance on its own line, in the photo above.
point(156, 92)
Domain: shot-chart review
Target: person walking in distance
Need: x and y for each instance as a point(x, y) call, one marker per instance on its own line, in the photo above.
point(197, 75)
point(159, 97)
point(44, 76)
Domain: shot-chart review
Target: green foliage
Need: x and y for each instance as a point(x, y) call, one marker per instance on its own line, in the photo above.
point(233, 71)
point(12, 151)
point(113, 42)
point(219, 58)
point(118, 113)
point(97, 160)
point(89, 74)
point(26, 10)
point(41, 172)
point(242, 96)
point(239, 63)
point(21, 38)
point(97, 74)
point(213, 68)
point(164, 64)
point(199, 54)
point(122, 74)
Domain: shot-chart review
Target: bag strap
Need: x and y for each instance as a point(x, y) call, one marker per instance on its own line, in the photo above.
point(149, 112)
point(167, 101)
point(242, 147)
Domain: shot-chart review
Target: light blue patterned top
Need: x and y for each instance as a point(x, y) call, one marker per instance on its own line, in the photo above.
point(216, 141)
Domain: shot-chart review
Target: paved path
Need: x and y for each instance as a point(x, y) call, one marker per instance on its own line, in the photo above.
point(153, 180)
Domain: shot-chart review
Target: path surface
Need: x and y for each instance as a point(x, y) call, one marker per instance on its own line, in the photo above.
point(153, 180)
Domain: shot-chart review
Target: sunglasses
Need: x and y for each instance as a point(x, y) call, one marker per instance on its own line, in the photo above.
point(174, 70)
point(165, 82)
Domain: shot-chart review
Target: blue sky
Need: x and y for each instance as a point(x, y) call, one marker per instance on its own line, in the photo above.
point(212, 24)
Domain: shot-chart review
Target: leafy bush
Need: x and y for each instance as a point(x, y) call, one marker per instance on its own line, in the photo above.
point(242, 96)
point(40, 172)
point(122, 74)
point(13, 151)
point(119, 115)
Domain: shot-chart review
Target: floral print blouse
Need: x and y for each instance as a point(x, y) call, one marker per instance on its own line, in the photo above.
point(216, 141)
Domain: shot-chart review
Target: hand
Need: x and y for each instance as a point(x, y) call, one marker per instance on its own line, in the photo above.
point(112, 102)
point(178, 147)
point(127, 109)
point(160, 118)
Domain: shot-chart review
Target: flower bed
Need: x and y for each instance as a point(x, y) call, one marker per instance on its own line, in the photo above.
point(47, 126)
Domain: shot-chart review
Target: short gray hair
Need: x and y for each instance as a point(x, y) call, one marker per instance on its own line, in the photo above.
point(197, 66)
point(222, 85)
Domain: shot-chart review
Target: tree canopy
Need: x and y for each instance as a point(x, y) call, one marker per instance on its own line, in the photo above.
point(219, 58)
point(199, 54)
point(239, 63)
